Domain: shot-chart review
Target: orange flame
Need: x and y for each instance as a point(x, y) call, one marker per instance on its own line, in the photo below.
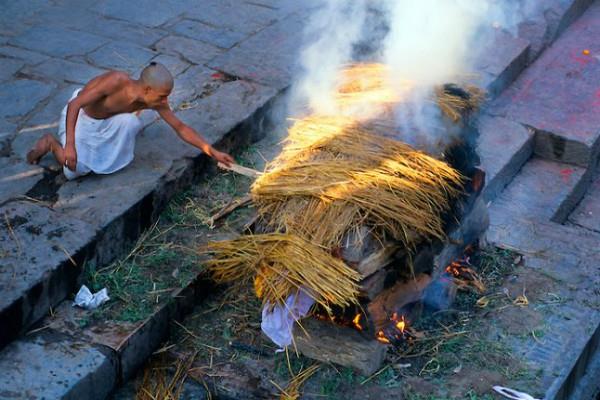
point(381, 337)
point(356, 322)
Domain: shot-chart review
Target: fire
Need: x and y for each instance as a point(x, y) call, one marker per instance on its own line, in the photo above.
point(396, 332)
point(381, 337)
point(356, 322)
point(464, 276)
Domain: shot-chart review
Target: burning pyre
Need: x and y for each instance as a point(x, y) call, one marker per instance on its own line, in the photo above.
point(334, 175)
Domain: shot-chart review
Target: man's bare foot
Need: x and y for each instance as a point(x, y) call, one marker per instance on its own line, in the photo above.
point(40, 149)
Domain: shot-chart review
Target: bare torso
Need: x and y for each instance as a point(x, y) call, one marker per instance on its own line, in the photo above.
point(122, 100)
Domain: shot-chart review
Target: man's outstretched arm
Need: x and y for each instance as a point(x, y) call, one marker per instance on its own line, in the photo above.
point(190, 136)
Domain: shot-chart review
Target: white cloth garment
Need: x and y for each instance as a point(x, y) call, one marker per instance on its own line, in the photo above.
point(279, 323)
point(103, 146)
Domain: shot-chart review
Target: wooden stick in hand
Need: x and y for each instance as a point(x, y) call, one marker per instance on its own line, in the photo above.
point(238, 169)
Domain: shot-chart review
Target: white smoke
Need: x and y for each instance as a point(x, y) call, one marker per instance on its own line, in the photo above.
point(428, 42)
point(330, 34)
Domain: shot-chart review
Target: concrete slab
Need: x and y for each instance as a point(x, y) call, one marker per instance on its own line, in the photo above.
point(544, 190)
point(269, 57)
point(222, 37)
point(40, 247)
point(191, 50)
point(503, 147)
point(23, 96)
point(8, 68)
point(17, 178)
point(52, 366)
point(587, 213)
point(121, 56)
point(557, 95)
point(58, 42)
point(61, 70)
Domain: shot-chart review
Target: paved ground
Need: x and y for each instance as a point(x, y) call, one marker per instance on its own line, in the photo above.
point(51, 228)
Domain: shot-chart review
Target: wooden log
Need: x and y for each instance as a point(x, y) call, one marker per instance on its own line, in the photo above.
point(393, 299)
point(372, 285)
point(327, 342)
point(378, 259)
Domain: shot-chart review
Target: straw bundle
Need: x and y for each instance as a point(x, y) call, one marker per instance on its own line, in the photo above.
point(281, 264)
point(323, 185)
point(456, 101)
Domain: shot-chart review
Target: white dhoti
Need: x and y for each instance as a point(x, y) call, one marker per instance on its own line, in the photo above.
point(103, 146)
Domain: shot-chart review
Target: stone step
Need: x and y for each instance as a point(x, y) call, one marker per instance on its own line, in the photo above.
point(503, 146)
point(46, 244)
point(564, 358)
point(587, 213)
point(72, 369)
point(543, 190)
point(558, 98)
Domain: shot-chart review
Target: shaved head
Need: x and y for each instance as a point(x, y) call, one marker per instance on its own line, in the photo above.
point(157, 76)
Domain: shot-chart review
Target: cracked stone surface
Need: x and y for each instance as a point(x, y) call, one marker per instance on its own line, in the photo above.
point(49, 48)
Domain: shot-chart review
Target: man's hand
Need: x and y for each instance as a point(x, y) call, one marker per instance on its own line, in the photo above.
point(71, 158)
point(222, 157)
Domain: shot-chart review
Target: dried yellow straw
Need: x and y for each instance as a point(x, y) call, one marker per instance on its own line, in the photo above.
point(292, 391)
point(281, 264)
point(320, 188)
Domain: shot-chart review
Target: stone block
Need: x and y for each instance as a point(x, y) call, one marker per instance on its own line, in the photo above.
point(196, 81)
point(243, 17)
point(587, 213)
point(503, 147)
point(43, 252)
point(145, 12)
point(122, 56)
point(230, 105)
point(52, 366)
point(17, 178)
point(50, 112)
point(270, 57)
point(64, 71)
point(192, 50)
point(30, 57)
point(21, 96)
point(558, 98)
point(222, 37)
point(544, 190)
point(58, 42)
point(125, 32)
point(501, 60)
point(8, 68)
point(174, 64)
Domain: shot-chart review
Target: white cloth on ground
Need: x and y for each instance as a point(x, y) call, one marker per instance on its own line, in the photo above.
point(103, 146)
point(278, 324)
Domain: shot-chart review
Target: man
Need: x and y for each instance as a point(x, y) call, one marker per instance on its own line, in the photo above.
point(98, 126)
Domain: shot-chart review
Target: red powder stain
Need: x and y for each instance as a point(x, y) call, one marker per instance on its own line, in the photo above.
point(565, 174)
point(524, 92)
point(579, 58)
point(596, 99)
point(217, 75)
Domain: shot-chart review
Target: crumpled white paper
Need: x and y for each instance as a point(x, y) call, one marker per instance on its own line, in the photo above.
point(279, 323)
point(85, 298)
